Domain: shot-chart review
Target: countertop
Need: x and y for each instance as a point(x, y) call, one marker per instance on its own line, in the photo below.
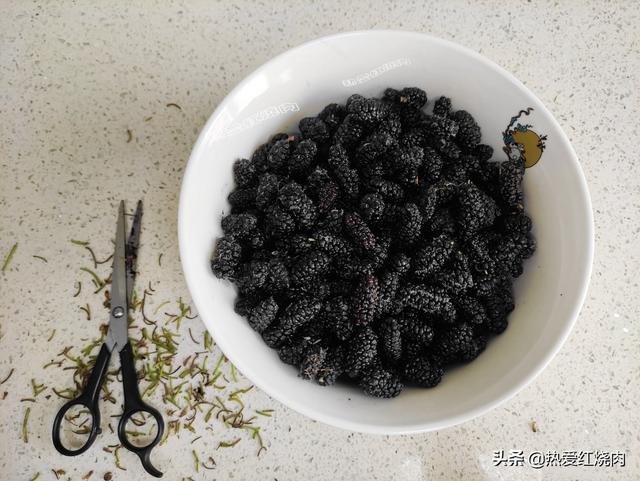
point(103, 100)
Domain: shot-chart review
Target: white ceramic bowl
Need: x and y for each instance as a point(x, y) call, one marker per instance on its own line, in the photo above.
point(299, 83)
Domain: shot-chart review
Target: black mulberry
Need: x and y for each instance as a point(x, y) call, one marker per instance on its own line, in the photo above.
point(332, 368)
point(365, 300)
point(372, 208)
point(368, 111)
point(298, 314)
point(294, 200)
point(252, 276)
point(278, 223)
point(278, 156)
point(337, 315)
point(510, 176)
point(390, 340)
point(333, 115)
point(431, 258)
point(427, 300)
point(409, 224)
point(349, 131)
point(261, 316)
point(242, 200)
point(303, 157)
point(456, 343)
point(422, 372)
point(310, 268)
point(360, 232)
point(442, 107)
point(389, 283)
point(267, 190)
point(381, 383)
point(292, 353)
point(242, 226)
point(312, 361)
point(314, 128)
point(400, 263)
point(362, 351)
point(226, 257)
point(333, 245)
point(468, 136)
point(277, 276)
point(244, 172)
point(476, 209)
point(415, 327)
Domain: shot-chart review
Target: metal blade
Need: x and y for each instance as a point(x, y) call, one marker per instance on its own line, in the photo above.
point(133, 241)
point(117, 335)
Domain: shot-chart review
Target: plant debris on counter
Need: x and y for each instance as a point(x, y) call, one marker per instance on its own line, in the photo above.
point(9, 257)
point(195, 385)
point(379, 245)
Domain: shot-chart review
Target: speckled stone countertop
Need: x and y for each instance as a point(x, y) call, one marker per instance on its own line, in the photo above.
point(84, 122)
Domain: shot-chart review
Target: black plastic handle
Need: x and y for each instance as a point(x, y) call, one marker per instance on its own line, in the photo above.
point(133, 404)
point(89, 399)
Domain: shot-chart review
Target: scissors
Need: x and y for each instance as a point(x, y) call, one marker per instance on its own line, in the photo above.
point(117, 340)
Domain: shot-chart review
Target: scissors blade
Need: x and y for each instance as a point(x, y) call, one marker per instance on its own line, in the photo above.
point(118, 336)
point(133, 241)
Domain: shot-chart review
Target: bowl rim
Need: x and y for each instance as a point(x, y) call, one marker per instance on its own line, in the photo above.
point(445, 422)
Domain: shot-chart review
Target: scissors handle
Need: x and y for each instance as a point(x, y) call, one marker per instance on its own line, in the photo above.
point(133, 404)
point(88, 399)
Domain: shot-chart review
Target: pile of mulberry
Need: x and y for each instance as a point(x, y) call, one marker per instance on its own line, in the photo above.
point(376, 246)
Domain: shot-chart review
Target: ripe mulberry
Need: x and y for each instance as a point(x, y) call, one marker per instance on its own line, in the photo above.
point(372, 208)
point(267, 190)
point(303, 157)
point(242, 200)
point(422, 372)
point(242, 226)
point(309, 268)
point(389, 283)
point(294, 200)
point(332, 368)
point(476, 209)
point(314, 128)
point(510, 176)
point(360, 233)
point(362, 351)
point(442, 107)
point(381, 383)
point(365, 300)
point(312, 361)
point(368, 111)
point(226, 257)
point(278, 223)
point(261, 316)
point(468, 136)
point(298, 314)
point(337, 315)
point(431, 258)
point(391, 340)
point(244, 173)
point(427, 300)
point(410, 225)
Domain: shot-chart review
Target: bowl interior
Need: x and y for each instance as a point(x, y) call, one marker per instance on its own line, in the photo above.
point(298, 84)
